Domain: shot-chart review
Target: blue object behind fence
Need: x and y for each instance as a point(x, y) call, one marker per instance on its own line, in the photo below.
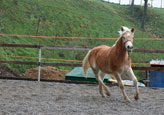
point(156, 79)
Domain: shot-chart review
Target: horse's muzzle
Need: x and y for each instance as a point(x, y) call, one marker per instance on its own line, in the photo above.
point(129, 46)
point(130, 50)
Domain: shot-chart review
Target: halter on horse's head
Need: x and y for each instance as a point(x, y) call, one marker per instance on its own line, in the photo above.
point(127, 36)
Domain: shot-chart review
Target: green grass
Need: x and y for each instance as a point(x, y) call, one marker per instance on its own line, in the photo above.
point(90, 18)
point(78, 18)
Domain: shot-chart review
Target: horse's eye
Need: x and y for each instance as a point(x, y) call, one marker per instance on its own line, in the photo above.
point(123, 38)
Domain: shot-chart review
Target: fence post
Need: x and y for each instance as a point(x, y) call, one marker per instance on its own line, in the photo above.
point(147, 78)
point(40, 52)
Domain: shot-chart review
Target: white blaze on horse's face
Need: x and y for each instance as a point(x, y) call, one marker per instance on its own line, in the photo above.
point(127, 37)
point(129, 46)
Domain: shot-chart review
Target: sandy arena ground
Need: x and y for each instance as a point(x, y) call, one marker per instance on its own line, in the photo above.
point(51, 98)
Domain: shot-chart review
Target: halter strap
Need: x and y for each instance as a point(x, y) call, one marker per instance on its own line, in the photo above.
point(127, 41)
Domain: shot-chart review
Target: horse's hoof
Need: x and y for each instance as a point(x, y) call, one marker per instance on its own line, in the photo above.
point(136, 97)
point(128, 99)
point(103, 96)
point(108, 94)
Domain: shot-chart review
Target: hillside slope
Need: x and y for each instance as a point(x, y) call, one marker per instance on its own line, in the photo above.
point(72, 18)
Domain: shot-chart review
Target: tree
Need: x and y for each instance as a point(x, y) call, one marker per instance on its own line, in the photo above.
point(144, 15)
point(132, 7)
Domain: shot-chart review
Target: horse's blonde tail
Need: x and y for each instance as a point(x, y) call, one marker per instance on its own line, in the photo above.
point(86, 65)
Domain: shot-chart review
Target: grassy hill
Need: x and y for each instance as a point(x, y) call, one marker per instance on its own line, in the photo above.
point(84, 18)
point(72, 18)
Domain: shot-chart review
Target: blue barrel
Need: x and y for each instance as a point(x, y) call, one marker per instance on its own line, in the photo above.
point(156, 79)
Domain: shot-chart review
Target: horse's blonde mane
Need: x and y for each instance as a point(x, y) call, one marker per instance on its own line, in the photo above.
point(126, 29)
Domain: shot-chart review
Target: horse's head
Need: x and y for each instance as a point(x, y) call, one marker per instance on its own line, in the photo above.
point(127, 36)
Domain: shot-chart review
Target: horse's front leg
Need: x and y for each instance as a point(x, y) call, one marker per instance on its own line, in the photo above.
point(131, 74)
point(119, 80)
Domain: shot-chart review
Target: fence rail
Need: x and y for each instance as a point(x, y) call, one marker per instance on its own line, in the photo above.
point(32, 36)
point(151, 3)
point(74, 65)
point(72, 48)
point(68, 48)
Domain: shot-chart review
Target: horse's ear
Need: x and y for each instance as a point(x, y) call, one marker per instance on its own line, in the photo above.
point(122, 29)
point(132, 30)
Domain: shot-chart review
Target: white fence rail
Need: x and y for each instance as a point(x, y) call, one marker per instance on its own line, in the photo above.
point(151, 3)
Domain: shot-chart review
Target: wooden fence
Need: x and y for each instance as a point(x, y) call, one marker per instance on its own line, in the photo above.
point(40, 47)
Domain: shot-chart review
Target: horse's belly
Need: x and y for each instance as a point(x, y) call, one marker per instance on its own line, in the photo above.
point(106, 70)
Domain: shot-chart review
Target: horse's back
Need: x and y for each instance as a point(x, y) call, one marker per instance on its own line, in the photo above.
point(100, 49)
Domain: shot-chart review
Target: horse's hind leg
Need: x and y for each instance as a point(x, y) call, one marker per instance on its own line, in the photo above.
point(112, 76)
point(101, 90)
point(96, 71)
point(105, 87)
point(118, 77)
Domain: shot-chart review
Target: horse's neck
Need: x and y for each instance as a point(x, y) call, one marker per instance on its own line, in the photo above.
point(120, 49)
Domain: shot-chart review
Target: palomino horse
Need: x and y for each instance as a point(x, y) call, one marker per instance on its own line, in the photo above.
point(113, 60)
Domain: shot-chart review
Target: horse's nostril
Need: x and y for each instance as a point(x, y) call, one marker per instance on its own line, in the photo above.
point(130, 47)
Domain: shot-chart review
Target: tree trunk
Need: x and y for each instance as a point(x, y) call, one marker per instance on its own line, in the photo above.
point(144, 15)
point(119, 1)
point(132, 8)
